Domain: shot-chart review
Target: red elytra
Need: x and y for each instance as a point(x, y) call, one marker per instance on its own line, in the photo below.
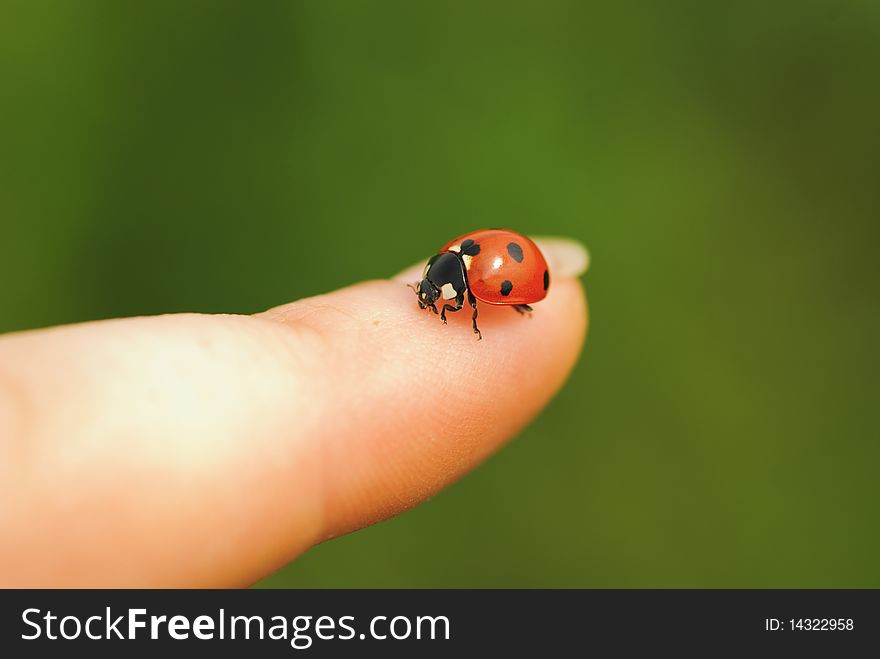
point(508, 268)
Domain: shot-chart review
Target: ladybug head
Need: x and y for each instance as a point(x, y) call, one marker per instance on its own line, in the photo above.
point(427, 292)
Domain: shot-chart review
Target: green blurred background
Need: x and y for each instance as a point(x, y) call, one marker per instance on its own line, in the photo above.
point(721, 162)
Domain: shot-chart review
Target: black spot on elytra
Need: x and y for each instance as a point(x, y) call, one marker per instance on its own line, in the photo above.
point(506, 287)
point(546, 279)
point(515, 251)
point(470, 248)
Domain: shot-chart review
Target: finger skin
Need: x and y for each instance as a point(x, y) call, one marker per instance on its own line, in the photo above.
point(194, 450)
point(413, 403)
point(153, 452)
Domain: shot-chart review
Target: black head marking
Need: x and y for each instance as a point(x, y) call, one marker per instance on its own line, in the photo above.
point(506, 287)
point(546, 279)
point(470, 248)
point(444, 268)
point(427, 292)
point(515, 251)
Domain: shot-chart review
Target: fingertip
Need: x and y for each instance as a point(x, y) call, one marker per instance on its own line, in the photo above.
point(404, 404)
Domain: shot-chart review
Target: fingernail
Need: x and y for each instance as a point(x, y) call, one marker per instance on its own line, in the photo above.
point(566, 257)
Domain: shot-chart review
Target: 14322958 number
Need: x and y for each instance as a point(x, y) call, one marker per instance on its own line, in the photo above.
point(821, 624)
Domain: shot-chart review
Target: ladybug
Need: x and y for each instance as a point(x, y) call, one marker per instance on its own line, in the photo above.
point(495, 266)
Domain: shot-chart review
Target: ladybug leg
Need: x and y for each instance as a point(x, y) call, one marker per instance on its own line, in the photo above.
point(459, 303)
point(522, 309)
point(473, 303)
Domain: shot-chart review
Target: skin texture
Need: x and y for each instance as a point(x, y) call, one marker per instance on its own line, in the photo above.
point(196, 450)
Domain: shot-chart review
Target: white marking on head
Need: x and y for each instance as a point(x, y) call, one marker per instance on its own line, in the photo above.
point(466, 259)
point(455, 248)
point(448, 291)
